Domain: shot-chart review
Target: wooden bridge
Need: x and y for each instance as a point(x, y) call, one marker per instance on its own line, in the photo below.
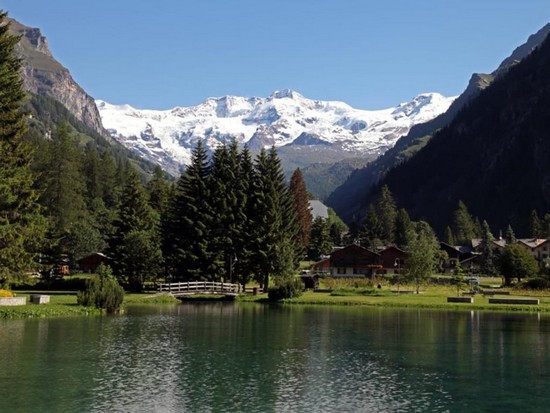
point(199, 288)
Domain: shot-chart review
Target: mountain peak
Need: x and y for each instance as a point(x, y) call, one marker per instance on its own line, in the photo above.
point(285, 93)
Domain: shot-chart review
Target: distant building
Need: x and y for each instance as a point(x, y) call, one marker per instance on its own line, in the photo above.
point(92, 261)
point(318, 209)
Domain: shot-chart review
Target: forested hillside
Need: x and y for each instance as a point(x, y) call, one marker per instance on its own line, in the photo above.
point(495, 155)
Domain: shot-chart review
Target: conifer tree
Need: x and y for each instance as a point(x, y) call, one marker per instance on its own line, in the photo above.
point(301, 204)
point(510, 235)
point(136, 244)
point(158, 190)
point(320, 239)
point(403, 228)
point(275, 221)
point(449, 236)
point(387, 212)
point(92, 174)
point(487, 264)
point(189, 221)
point(371, 230)
point(110, 188)
point(21, 224)
point(535, 225)
point(464, 226)
point(62, 181)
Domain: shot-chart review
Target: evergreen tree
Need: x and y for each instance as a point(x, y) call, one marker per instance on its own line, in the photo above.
point(136, 244)
point(320, 240)
point(92, 174)
point(403, 228)
point(275, 221)
point(510, 235)
point(337, 227)
point(535, 225)
point(371, 230)
point(21, 224)
point(185, 240)
point(449, 236)
point(517, 262)
point(464, 226)
point(487, 264)
point(110, 188)
point(301, 204)
point(158, 190)
point(62, 181)
point(387, 213)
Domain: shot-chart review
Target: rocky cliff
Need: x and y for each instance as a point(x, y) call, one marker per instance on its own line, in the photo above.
point(45, 76)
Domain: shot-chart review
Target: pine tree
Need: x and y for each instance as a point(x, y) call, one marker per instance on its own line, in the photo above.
point(21, 224)
point(185, 240)
point(110, 188)
point(92, 174)
point(158, 189)
point(275, 221)
point(464, 226)
point(487, 264)
point(62, 181)
point(403, 228)
point(387, 212)
point(535, 225)
point(510, 235)
point(136, 244)
point(301, 204)
point(449, 236)
point(370, 231)
point(320, 240)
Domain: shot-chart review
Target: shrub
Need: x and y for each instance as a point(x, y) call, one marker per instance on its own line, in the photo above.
point(537, 283)
point(6, 293)
point(287, 288)
point(102, 291)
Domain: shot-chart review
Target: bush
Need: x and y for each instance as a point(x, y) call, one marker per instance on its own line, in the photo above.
point(537, 283)
point(102, 291)
point(286, 289)
point(6, 293)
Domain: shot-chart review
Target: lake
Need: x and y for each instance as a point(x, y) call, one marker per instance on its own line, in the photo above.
point(239, 357)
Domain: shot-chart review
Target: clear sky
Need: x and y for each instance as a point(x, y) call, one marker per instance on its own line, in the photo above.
point(371, 54)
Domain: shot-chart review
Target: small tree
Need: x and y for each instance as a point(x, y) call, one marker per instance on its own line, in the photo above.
point(458, 278)
point(517, 262)
point(421, 255)
point(102, 291)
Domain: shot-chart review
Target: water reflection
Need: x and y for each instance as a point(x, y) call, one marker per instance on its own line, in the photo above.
point(248, 357)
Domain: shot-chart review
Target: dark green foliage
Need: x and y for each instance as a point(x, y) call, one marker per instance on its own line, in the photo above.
point(102, 291)
point(286, 288)
point(449, 237)
point(135, 246)
point(320, 239)
point(404, 228)
point(464, 226)
point(337, 228)
point(537, 283)
point(517, 262)
point(487, 261)
point(189, 222)
point(21, 225)
point(387, 212)
point(510, 235)
point(62, 181)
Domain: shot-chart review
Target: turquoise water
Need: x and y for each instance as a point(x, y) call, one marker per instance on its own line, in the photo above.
point(258, 358)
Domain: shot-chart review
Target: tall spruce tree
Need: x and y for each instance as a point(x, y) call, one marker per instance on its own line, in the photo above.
point(464, 226)
point(63, 182)
point(275, 221)
point(301, 204)
point(403, 228)
point(387, 212)
point(186, 236)
point(487, 263)
point(135, 247)
point(21, 225)
point(510, 235)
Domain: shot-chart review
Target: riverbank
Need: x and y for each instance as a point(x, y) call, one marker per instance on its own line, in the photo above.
point(63, 304)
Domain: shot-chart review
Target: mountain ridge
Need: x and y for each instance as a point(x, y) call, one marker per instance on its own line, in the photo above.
point(283, 119)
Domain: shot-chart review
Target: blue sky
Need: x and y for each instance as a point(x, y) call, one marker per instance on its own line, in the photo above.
point(370, 54)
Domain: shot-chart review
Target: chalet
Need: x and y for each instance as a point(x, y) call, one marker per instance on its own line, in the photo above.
point(538, 248)
point(497, 245)
point(392, 260)
point(322, 266)
point(92, 261)
point(354, 261)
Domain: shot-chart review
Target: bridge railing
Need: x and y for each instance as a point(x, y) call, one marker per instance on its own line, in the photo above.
point(199, 286)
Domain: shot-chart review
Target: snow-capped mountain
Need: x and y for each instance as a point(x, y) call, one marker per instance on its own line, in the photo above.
point(285, 118)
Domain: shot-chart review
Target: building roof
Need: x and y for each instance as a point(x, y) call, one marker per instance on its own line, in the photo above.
point(318, 209)
point(532, 242)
